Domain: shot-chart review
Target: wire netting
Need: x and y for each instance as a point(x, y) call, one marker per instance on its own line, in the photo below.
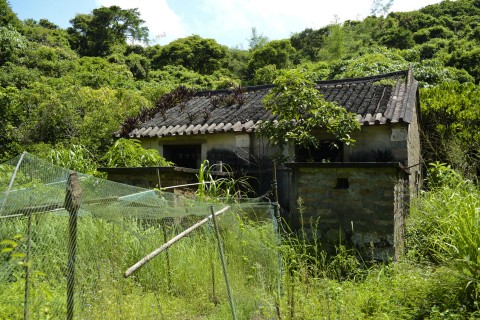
point(43, 258)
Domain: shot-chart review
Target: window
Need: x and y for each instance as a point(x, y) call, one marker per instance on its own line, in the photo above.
point(327, 151)
point(342, 183)
point(188, 156)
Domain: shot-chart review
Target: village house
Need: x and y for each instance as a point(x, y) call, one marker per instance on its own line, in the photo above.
point(358, 192)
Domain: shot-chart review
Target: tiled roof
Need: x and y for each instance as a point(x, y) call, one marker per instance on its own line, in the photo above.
point(373, 100)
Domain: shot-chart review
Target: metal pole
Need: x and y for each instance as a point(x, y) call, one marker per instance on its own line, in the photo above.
point(72, 204)
point(278, 223)
point(224, 266)
point(12, 179)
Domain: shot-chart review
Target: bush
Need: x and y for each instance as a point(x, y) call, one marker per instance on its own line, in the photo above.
point(130, 153)
point(444, 226)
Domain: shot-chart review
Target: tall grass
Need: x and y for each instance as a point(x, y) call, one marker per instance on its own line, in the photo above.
point(193, 287)
point(444, 226)
point(438, 278)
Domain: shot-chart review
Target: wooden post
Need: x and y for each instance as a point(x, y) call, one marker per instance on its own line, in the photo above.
point(72, 205)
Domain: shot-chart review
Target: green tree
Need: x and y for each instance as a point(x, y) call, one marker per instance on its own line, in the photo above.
point(337, 42)
point(97, 34)
point(450, 122)
point(46, 33)
point(12, 43)
point(97, 72)
point(256, 40)
point(11, 115)
point(309, 42)
point(300, 110)
point(7, 16)
point(194, 52)
point(278, 53)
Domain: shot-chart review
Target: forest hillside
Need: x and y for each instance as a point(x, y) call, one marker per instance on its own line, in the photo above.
point(70, 89)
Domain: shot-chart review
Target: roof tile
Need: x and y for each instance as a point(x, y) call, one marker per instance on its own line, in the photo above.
point(374, 102)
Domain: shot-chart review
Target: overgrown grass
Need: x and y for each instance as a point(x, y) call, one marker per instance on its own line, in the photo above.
point(191, 286)
point(438, 278)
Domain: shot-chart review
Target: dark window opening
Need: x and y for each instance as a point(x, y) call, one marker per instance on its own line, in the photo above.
point(227, 157)
point(187, 156)
point(342, 183)
point(327, 151)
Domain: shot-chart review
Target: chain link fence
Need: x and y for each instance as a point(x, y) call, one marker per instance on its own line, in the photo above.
point(80, 247)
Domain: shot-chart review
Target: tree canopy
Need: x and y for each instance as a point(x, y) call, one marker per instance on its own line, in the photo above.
point(300, 110)
point(98, 33)
point(57, 85)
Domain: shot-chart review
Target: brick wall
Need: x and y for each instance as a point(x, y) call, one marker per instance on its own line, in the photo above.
point(357, 203)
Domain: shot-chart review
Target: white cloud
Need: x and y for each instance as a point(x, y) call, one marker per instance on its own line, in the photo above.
point(230, 21)
point(410, 5)
point(164, 24)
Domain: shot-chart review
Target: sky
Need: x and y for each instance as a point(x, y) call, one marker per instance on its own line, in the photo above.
point(229, 22)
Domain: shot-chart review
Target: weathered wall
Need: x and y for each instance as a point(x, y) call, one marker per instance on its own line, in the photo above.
point(147, 177)
point(414, 153)
point(238, 143)
point(361, 203)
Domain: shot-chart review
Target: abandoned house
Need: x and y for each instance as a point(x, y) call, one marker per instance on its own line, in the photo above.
point(356, 193)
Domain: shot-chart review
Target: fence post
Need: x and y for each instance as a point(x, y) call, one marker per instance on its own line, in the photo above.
point(224, 266)
point(28, 265)
point(72, 204)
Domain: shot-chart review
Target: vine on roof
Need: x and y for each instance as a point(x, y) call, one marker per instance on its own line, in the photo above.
point(179, 96)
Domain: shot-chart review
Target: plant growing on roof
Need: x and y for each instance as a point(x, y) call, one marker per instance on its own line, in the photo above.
point(179, 96)
point(300, 109)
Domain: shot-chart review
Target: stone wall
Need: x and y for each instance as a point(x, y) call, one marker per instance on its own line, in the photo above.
point(358, 203)
point(148, 177)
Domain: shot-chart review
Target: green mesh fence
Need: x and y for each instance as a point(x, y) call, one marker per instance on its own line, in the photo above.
point(66, 255)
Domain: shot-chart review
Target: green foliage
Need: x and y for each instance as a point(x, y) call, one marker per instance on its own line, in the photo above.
point(96, 72)
point(227, 188)
point(265, 75)
point(256, 40)
point(46, 33)
point(450, 120)
point(130, 153)
point(98, 33)
point(371, 61)
point(75, 157)
point(277, 52)
point(12, 43)
point(444, 225)
point(337, 42)
point(300, 110)
point(53, 62)
point(7, 16)
point(398, 37)
point(467, 59)
point(194, 53)
point(179, 75)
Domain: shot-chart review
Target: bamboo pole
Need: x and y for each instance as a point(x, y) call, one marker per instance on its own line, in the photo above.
point(168, 244)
